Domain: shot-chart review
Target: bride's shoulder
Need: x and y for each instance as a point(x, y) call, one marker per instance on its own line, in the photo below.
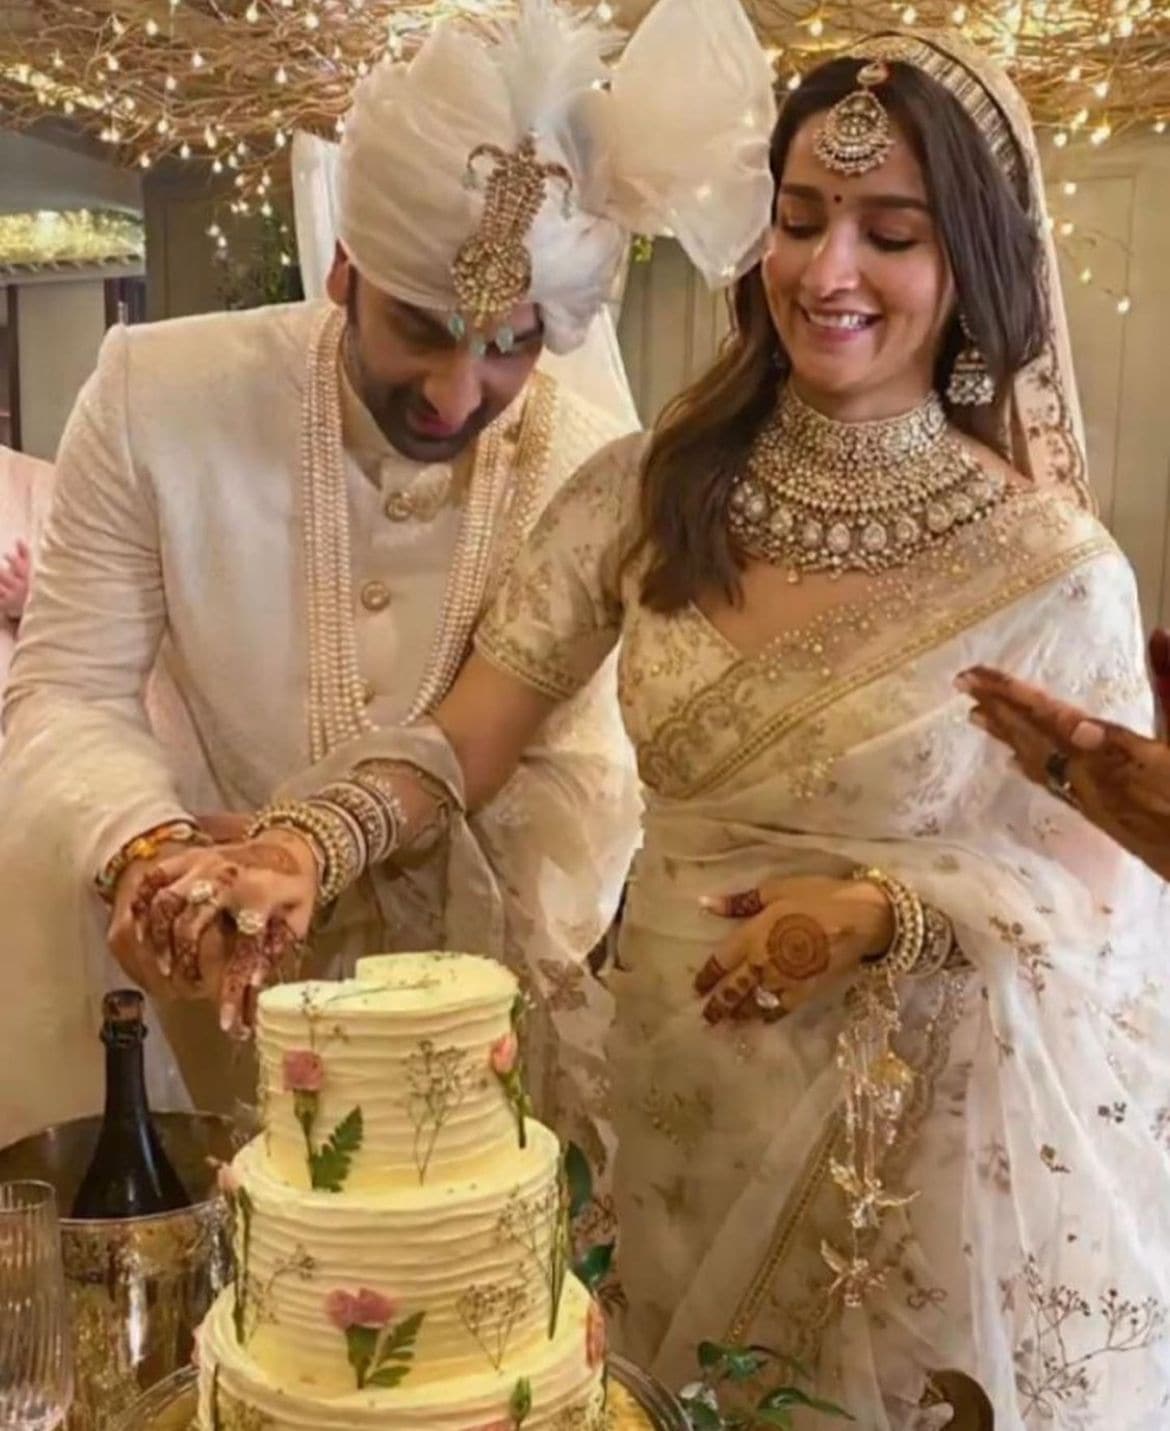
point(1054, 518)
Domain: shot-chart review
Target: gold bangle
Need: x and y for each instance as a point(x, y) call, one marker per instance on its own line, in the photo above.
point(906, 947)
point(329, 836)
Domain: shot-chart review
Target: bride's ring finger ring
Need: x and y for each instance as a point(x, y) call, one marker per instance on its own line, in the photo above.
point(202, 892)
point(250, 922)
point(766, 1000)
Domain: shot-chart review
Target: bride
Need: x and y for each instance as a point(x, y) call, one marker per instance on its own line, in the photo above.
point(889, 1069)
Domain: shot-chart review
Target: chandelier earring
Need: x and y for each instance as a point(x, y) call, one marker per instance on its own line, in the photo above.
point(971, 383)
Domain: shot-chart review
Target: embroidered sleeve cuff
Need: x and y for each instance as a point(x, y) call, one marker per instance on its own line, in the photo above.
point(539, 670)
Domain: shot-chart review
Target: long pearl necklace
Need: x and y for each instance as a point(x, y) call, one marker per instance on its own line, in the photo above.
point(337, 692)
point(824, 496)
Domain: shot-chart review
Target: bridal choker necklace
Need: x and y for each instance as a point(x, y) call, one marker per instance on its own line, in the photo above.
point(823, 496)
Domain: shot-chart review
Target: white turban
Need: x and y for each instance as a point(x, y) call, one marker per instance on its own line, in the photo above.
point(671, 139)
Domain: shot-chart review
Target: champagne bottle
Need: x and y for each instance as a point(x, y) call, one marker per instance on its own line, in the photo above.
point(129, 1174)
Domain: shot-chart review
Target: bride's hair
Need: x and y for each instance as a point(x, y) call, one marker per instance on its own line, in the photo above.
point(703, 436)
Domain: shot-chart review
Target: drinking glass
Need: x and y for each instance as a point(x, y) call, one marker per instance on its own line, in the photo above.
point(36, 1363)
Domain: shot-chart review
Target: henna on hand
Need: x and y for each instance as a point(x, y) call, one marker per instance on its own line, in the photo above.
point(798, 947)
point(266, 855)
point(745, 905)
point(709, 975)
point(255, 959)
point(739, 987)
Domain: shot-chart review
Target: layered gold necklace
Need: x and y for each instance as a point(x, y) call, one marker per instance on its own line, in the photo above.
point(818, 495)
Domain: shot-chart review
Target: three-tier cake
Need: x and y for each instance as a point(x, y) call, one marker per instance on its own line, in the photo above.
point(401, 1227)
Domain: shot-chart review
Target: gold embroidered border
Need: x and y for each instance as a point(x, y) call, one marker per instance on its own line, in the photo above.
point(515, 660)
point(805, 1189)
point(930, 637)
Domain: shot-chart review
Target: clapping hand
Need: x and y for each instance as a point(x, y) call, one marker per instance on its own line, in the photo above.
point(1118, 780)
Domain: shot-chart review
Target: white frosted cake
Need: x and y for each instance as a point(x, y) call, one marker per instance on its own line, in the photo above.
point(400, 1225)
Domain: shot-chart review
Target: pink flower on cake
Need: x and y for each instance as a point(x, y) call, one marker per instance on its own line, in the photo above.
point(340, 1308)
point(594, 1335)
point(303, 1071)
point(361, 1309)
point(505, 1052)
point(373, 1310)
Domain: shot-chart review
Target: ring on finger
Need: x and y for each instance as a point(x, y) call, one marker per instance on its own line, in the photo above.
point(766, 1001)
point(1057, 781)
point(250, 922)
point(202, 892)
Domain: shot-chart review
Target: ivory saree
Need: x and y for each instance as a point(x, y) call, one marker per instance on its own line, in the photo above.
point(1035, 1255)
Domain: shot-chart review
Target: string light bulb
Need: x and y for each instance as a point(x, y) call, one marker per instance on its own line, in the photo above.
point(1100, 134)
point(252, 14)
point(197, 61)
point(909, 15)
point(1086, 275)
point(151, 27)
point(959, 15)
point(1060, 138)
point(816, 27)
point(1068, 188)
point(1124, 305)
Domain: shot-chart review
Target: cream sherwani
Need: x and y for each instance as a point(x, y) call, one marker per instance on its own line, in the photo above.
point(176, 537)
point(26, 485)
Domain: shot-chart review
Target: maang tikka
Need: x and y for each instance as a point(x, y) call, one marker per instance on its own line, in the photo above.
point(857, 135)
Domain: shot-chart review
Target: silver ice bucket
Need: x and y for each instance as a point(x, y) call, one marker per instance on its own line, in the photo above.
point(138, 1286)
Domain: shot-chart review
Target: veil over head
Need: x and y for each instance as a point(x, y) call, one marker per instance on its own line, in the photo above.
point(1045, 430)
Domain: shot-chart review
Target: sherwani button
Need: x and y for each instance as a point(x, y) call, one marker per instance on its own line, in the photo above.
point(375, 596)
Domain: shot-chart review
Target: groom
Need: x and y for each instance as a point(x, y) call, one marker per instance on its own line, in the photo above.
point(297, 514)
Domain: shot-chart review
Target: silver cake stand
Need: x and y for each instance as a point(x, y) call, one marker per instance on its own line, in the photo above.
point(636, 1403)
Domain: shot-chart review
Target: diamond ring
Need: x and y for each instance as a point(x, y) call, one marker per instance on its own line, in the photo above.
point(202, 892)
point(250, 922)
point(1057, 781)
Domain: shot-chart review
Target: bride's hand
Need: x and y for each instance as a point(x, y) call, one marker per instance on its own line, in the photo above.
point(796, 939)
point(266, 888)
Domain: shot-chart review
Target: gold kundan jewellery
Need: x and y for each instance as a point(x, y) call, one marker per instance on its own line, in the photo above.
point(820, 495)
point(857, 135)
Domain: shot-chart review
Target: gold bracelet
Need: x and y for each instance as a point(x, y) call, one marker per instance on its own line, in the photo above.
point(146, 847)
